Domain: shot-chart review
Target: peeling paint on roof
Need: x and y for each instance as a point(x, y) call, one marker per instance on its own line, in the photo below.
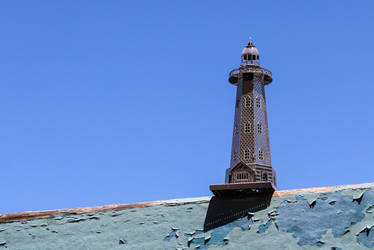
point(328, 218)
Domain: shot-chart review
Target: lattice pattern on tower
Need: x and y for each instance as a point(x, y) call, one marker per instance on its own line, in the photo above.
point(250, 144)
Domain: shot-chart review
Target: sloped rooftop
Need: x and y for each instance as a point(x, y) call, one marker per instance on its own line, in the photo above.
point(339, 217)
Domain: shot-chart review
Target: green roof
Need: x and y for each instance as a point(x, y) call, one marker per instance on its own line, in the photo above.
point(327, 218)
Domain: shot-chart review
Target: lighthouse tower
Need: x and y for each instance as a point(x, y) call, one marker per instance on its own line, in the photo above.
point(250, 154)
point(250, 172)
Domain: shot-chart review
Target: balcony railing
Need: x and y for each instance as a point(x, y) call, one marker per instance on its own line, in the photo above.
point(234, 74)
point(250, 70)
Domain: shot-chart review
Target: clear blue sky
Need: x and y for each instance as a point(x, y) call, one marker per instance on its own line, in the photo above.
point(125, 101)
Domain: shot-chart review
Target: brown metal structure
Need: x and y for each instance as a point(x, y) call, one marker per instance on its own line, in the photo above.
point(250, 155)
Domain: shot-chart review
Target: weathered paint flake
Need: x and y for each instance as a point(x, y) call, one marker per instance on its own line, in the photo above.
point(262, 228)
point(366, 237)
point(3, 244)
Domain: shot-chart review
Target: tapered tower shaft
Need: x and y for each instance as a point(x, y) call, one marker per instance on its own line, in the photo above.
point(250, 155)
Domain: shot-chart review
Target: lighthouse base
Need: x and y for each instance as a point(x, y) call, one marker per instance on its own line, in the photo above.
point(241, 190)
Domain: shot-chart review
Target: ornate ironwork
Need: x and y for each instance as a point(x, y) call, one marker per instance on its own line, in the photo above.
point(235, 74)
point(250, 156)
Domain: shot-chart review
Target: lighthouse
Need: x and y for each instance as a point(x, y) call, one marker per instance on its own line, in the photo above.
point(250, 167)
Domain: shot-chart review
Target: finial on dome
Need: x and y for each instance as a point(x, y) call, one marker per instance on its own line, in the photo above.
point(250, 43)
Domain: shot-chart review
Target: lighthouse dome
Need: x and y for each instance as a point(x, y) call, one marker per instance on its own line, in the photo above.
point(250, 55)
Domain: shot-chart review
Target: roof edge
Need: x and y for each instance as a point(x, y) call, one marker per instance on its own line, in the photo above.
point(30, 215)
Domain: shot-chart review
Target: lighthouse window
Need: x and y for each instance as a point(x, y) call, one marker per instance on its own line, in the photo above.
point(265, 176)
point(260, 154)
point(258, 57)
point(258, 102)
point(247, 127)
point(247, 154)
point(241, 176)
point(248, 102)
point(259, 128)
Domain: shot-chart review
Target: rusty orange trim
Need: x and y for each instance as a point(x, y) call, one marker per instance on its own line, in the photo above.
point(305, 190)
point(22, 216)
point(312, 190)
